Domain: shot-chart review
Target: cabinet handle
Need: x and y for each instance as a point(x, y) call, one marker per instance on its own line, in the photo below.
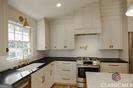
point(66, 63)
point(113, 65)
point(50, 72)
point(66, 70)
point(66, 78)
point(7, 49)
point(65, 46)
point(54, 46)
point(43, 79)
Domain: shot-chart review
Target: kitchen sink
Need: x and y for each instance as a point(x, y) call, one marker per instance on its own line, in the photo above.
point(29, 68)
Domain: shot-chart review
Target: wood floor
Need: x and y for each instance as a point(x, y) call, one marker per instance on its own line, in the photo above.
point(63, 86)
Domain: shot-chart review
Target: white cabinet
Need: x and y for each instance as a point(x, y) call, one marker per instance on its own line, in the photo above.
point(42, 78)
point(49, 76)
point(111, 37)
point(43, 34)
point(62, 35)
point(114, 67)
point(55, 72)
point(87, 19)
point(65, 72)
point(3, 27)
point(38, 78)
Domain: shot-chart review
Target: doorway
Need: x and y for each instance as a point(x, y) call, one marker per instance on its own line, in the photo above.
point(130, 42)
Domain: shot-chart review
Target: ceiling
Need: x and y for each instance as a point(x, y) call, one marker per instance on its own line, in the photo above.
point(47, 8)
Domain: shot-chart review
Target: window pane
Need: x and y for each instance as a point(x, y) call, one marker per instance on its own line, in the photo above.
point(18, 37)
point(10, 28)
point(10, 36)
point(19, 41)
point(18, 29)
point(25, 31)
point(26, 38)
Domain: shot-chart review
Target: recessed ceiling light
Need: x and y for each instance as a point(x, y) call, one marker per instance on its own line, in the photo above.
point(58, 5)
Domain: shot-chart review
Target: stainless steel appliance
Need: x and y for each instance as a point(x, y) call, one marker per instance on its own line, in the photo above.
point(86, 64)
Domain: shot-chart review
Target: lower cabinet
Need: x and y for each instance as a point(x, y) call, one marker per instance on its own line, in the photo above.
point(38, 79)
point(41, 78)
point(65, 72)
point(114, 67)
point(61, 72)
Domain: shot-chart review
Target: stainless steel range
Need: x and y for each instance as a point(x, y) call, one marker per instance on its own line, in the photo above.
point(86, 64)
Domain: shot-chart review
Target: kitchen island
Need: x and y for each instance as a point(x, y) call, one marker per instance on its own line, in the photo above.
point(109, 80)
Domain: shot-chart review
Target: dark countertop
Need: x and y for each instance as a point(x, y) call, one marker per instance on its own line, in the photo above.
point(112, 60)
point(11, 76)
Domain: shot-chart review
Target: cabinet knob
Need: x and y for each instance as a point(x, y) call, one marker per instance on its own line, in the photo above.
point(54, 46)
point(43, 79)
point(7, 49)
point(50, 72)
point(65, 46)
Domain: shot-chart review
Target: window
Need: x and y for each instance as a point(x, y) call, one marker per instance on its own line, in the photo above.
point(18, 41)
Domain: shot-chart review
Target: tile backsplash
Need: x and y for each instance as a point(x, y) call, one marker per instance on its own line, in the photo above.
point(9, 64)
point(86, 46)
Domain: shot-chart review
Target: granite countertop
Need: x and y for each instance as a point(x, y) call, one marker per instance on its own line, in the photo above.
point(112, 60)
point(11, 76)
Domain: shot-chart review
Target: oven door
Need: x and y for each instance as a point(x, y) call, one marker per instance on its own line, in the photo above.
point(82, 70)
point(81, 79)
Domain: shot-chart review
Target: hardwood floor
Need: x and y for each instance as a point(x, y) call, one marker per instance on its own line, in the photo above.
point(63, 86)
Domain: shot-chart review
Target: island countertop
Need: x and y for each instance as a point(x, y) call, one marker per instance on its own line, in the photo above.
point(108, 80)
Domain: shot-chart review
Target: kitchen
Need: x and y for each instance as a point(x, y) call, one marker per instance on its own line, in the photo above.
point(68, 44)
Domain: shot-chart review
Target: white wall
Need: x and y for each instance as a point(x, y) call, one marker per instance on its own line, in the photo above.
point(92, 50)
point(13, 14)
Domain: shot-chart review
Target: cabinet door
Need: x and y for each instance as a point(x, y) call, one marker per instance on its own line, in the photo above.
point(114, 67)
point(42, 34)
point(37, 80)
point(65, 72)
point(50, 75)
point(57, 36)
point(62, 35)
point(112, 24)
point(3, 27)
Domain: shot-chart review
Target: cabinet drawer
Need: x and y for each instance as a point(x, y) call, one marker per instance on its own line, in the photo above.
point(65, 79)
point(110, 65)
point(114, 67)
point(65, 64)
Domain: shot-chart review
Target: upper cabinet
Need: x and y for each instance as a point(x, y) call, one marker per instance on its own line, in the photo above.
point(87, 20)
point(112, 20)
point(43, 34)
point(62, 35)
point(3, 27)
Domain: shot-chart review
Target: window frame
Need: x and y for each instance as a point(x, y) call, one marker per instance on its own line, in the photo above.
point(30, 41)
